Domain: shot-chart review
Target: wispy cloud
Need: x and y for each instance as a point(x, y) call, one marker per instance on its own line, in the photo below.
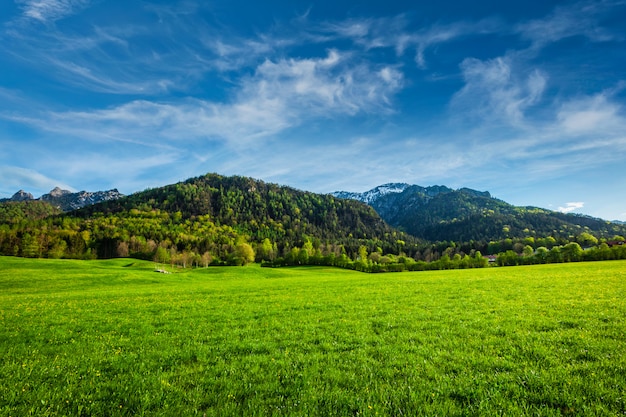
point(370, 33)
point(235, 52)
point(572, 206)
point(394, 33)
point(495, 90)
point(438, 34)
point(574, 136)
point(577, 19)
point(112, 57)
point(281, 94)
point(596, 114)
point(51, 10)
point(100, 59)
point(335, 83)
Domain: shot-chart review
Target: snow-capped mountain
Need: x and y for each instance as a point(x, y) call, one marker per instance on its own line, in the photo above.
point(368, 197)
point(440, 213)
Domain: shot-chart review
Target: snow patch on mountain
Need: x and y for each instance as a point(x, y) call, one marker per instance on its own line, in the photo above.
point(374, 194)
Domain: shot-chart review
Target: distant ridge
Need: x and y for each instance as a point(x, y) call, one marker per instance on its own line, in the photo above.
point(439, 213)
point(66, 200)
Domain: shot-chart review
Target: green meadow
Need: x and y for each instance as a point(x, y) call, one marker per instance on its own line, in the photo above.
point(114, 338)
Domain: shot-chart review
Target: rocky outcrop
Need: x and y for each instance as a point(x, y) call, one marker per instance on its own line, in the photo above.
point(22, 195)
point(55, 193)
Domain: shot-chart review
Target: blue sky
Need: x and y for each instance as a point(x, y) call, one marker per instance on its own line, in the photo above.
point(522, 99)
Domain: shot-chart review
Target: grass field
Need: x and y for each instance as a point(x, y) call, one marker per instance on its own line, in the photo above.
point(109, 338)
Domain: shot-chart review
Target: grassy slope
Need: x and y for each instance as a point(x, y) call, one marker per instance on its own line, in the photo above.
point(115, 338)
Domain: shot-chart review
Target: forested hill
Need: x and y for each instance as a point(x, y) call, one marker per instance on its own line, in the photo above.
point(259, 210)
point(439, 213)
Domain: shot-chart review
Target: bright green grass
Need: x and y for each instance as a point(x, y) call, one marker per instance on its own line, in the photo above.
point(114, 338)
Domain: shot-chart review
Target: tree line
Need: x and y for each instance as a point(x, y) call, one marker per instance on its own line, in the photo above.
point(32, 229)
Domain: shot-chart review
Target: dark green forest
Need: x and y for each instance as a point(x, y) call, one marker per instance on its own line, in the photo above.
point(442, 214)
point(217, 220)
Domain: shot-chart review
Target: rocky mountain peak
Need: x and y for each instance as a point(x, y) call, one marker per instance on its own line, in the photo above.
point(22, 195)
point(56, 192)
point(67, 201)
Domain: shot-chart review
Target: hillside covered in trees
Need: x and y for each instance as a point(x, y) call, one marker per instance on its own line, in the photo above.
point(224, 219)
point(220, 220)
point(439, 213)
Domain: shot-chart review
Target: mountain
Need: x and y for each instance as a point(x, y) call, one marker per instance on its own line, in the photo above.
point(439, 213)
point(374, 194)
point(21, 195)
point(259, 210)
point(66, 200)
point(220, 217)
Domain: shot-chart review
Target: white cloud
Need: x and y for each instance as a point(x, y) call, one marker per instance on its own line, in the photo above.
point(566, 21)
point(495, 91)
point(393, 32)
point(94, 79)
point(103, 60)
point(572, 206)
point(439, 34)
point(356, 29)
point(234, 53)
point(279, 95)
point(335, 84)
point(370, 33)
point(595, 114)
point(51, 10)
point(582, 18)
